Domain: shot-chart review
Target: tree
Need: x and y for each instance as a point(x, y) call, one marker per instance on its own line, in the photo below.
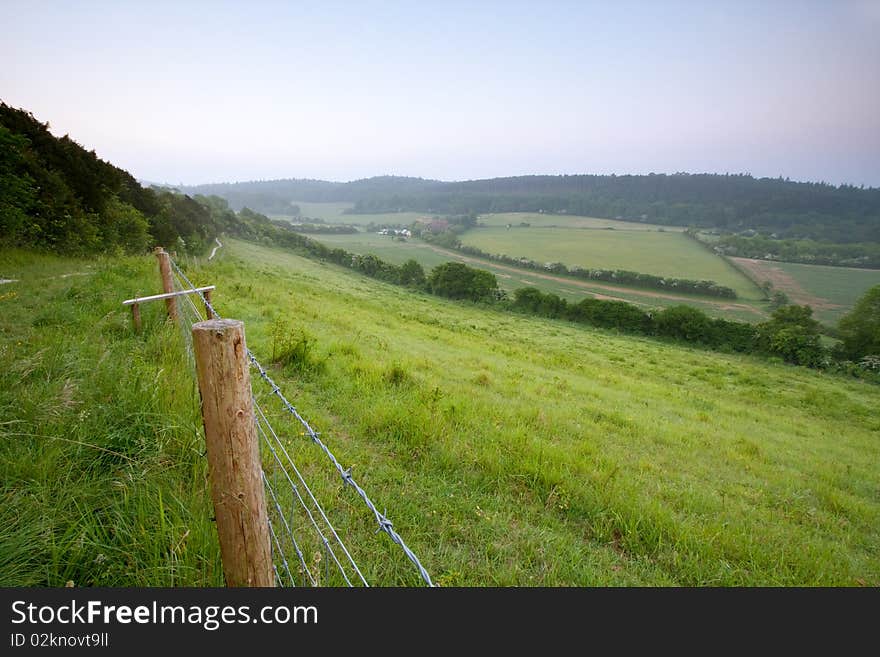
point(860, 329)
point(684, 323)
point(412, 274)
point(458, 281)
point(793, 334)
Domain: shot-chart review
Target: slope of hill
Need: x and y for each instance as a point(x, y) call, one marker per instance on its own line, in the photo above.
point(56, 195)
point(507, 450)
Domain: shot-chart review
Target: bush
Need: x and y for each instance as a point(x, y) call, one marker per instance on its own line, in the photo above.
point(455, 280)
point(792, 334)
point(685, 323)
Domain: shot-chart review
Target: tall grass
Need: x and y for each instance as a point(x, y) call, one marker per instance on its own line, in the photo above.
point(103, 480)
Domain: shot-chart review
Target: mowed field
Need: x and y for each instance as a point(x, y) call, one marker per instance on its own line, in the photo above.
point(333, 213)
point(540, 220)
point(831, 291)
point(663, 254)
point(511, 278)
point(507, 450)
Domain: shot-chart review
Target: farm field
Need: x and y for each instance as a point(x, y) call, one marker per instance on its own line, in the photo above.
point(541, 220)
point(511, 278)
point(831, 291)
point(333, 213)
point(507, 450)
point(663, 254)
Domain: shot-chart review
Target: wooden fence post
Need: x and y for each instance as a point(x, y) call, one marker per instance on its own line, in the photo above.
point(167, 284)
point(233, 452)
point(136, 317)
point(208, 304)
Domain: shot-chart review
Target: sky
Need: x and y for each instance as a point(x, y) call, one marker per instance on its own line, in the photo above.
point(195, 92)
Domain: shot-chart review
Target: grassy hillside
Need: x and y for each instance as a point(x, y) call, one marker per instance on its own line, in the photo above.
point(662, 254)
point(507, 450)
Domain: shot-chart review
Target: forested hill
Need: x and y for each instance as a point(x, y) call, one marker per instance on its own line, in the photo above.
point(735, 202)
point(280, 196)
point(56, 195)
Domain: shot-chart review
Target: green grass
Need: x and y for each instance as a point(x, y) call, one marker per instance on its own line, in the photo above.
point(541, 220)
point(386, 247)
point(330, 212)
point(841, 286)
point(662, 254)
point(103, 480)
point(507, 450)
point(334, 213)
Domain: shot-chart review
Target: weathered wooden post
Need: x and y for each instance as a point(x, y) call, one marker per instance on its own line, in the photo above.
point(136, 317)
point(233, 452)
point(208, 304)
point(167, 284)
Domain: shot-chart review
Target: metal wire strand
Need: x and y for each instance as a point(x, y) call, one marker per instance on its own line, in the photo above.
point(311, 495)
point(382, 520)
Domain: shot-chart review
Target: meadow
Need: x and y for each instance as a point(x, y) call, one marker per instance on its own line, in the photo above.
point(663, 254)
point(334, 213)
point(507, 450)
point(831, 291)
point(543, 220)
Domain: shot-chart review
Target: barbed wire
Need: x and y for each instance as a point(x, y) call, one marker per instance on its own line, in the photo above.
point(189, 314)
point(261, 420)
point(384, 524)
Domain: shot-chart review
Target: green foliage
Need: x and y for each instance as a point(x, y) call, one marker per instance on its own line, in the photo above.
point(55, 195)
point(446, 239)
point(779, 299)
point(810, 252)
point(456, 280)
point(684, 323)
point(412, 274)
point(294, 349)
point(860, 329)
point(793, 334)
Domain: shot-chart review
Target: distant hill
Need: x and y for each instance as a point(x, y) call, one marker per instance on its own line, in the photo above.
point(56, 195)
point(279, 196)
point(736, 202)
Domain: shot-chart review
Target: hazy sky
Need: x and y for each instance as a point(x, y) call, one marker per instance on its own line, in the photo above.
point(191, 92)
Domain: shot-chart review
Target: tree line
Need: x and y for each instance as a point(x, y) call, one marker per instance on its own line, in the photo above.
point(56, 195)
point(732, 202)
point(810, 252)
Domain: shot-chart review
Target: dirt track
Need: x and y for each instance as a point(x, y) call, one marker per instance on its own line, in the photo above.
point(766, 270)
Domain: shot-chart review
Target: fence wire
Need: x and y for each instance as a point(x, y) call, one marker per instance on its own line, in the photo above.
point(303, 537)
